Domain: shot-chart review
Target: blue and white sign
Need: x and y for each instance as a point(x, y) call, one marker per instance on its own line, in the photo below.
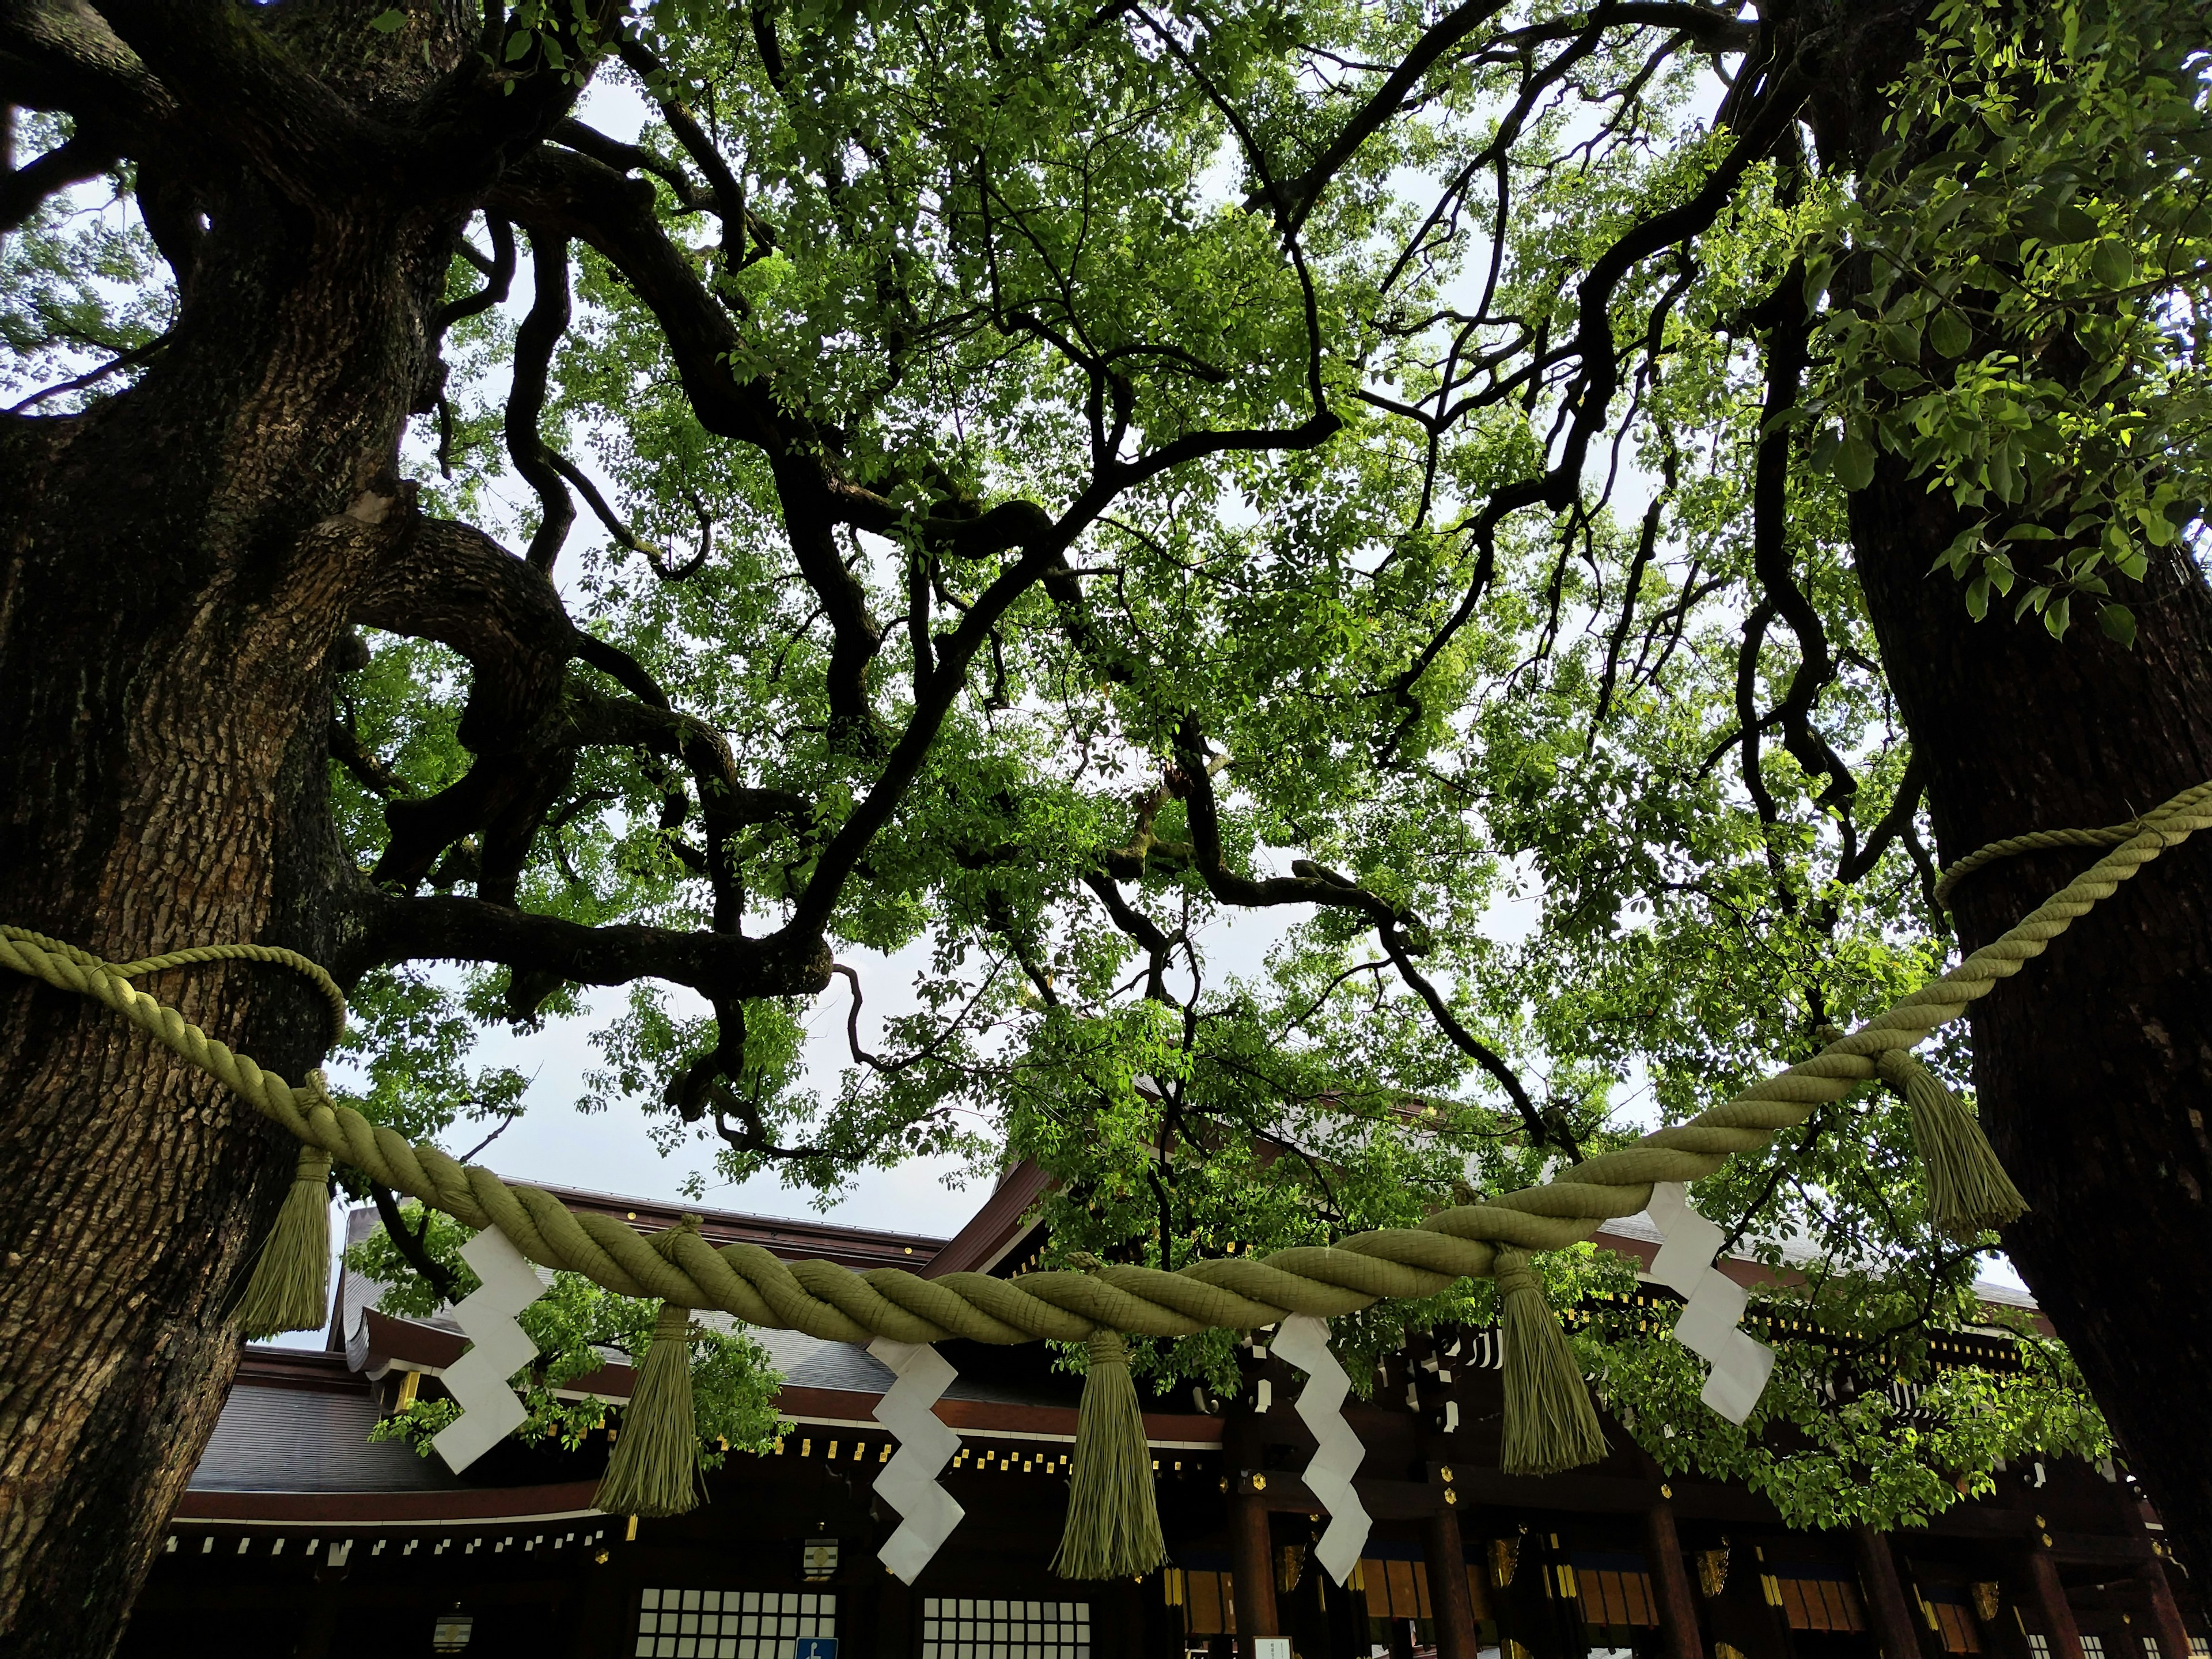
point(814, 1647)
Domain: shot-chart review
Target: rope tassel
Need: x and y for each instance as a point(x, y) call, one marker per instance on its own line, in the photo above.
point(1550, 1424)
point(1113, 1528)
point(1968, 1191)
point(654, 1469)
point(290, 1289)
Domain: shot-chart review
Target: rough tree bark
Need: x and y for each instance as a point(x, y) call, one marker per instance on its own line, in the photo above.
point(180, 563)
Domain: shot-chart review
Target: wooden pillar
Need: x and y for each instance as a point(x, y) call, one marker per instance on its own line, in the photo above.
point(598, 1610)
point(2051, 1602)
point(1894, 1626)
point(1456, 1636)
point(1119, 1612)
point(2164, 1615)
point(1348, 1636)
point(1566, 1610)
point(1670, 1584)
point(1251, 1556)
point(891, 1621)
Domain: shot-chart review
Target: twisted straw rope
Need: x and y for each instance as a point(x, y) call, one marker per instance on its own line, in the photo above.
point(833, 1303)
point(2036, 841)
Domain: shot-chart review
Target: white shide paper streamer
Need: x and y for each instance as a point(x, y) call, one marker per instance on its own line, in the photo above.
point(1303, 1339)
point(908, 1482)
point(1709, 1325)
point(498, 1348)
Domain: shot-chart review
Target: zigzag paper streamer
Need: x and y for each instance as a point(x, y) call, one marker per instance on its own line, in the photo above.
point(1303, 1339)
point(1708, 1325)
point(908, 1482)
point(498, 1348)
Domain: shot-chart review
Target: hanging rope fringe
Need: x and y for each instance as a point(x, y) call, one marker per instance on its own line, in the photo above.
point(654, 1467)
point(1240, 1293)
point(1113, 1528)
point(1550, 1424)
point(290, 1289)
point(1968, 1191)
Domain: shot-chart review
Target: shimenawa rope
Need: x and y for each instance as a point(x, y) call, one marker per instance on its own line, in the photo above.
point(1239, 1293)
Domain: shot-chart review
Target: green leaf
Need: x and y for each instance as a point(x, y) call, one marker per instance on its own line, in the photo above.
point(388, 22)
point(2118, 624)
point(2113, 263)
point(1854, 463)
point(1822, 457)
point(2063, 225)
point(1950, 333)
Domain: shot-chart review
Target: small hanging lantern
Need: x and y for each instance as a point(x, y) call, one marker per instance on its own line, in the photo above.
point(452, 1632)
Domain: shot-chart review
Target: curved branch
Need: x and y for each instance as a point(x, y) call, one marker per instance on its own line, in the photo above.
point(498, 279)
point(449, 582)
point(569, 193)
point(534, 343)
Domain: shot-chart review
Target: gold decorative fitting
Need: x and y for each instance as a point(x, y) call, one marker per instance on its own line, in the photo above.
point(1504, 1556)
point(1450, 1497)
point(1259, 1483)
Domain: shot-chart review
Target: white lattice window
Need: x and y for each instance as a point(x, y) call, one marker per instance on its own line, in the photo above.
point(2093, 1647)
point(2038, 1647)
point(962, 1627)
point(696, 1624)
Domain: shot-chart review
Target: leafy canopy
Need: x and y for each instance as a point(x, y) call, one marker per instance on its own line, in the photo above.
point(1425, 437)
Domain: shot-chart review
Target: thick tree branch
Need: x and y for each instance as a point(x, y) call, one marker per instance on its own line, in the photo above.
point(1294, 198)
point(62, 55)
point(393, 929)
point(564, 191)
point(1786, 358)
point(452, 583)
point(933, 699)
point(77, 158)
point(409, 1243)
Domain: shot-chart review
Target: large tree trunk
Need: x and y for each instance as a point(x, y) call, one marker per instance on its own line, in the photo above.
point(2095, 1065)
point(180, 563)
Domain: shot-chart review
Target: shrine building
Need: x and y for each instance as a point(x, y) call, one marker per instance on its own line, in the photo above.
point(299, 1538)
